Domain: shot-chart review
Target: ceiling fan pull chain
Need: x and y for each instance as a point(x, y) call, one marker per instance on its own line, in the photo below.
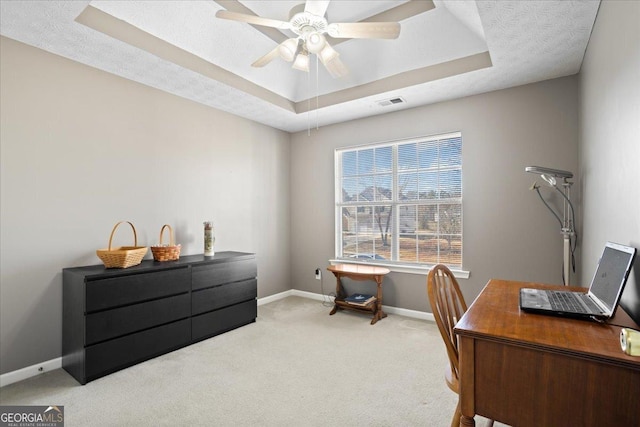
point(308, 104)
point(317, 91)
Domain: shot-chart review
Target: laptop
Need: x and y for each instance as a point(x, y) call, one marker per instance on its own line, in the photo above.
point(604, 294)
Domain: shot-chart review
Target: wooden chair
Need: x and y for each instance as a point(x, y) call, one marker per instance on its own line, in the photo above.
point(448, 306)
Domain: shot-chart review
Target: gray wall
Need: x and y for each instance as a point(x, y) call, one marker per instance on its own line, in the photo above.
point(82, 149)
point(610, 138)
point(508, 233)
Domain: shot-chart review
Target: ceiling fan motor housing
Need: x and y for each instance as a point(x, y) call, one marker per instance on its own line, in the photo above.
point(305, 24)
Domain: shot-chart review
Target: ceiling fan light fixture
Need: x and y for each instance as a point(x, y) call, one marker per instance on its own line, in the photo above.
point(302, 62)
point(309, 24)
point(288, 49)
point(316, 42)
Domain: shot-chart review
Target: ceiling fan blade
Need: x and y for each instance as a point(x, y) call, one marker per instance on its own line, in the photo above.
point(261, 62)
point(316, 7)
point(336, 67)
point(251, 19)
point(286, 50)
point(364, 30)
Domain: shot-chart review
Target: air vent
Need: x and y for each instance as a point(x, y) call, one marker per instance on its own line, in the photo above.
point(392, 101)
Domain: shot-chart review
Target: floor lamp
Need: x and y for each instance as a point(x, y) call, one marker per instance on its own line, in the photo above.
point(567, 223)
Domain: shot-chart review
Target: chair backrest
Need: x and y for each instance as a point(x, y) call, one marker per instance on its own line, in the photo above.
point(448, 306)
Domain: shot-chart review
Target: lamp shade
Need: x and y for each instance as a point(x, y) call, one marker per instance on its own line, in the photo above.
point(327, 53)
point(302, 62)
point(549, 179)
point(315, 42)
point(287, 49)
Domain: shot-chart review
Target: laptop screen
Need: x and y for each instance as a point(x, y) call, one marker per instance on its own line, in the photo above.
point(611, 274)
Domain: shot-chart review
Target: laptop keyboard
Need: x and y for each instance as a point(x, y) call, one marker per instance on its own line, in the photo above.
point(563, 301)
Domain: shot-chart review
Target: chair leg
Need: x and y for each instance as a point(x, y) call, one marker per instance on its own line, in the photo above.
point(455, 422)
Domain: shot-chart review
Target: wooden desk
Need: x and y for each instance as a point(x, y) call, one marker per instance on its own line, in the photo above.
point(359, 272)
point(526, 369)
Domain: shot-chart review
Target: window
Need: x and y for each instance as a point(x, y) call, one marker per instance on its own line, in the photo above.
point(401, 203)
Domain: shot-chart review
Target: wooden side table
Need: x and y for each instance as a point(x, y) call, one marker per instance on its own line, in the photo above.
point(359, 272)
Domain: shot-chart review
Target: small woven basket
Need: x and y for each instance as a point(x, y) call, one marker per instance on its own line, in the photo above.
point(123, 256)
point(170, 252)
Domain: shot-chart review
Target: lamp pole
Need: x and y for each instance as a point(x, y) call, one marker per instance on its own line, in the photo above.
point(568, 215)
point(567, 231)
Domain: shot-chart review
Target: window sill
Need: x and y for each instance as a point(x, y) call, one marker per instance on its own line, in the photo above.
point(400, 268)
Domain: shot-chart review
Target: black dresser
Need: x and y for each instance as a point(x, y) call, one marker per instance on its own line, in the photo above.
point(114, 318)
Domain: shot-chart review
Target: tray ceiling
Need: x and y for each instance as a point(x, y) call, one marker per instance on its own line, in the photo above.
point(446, 50)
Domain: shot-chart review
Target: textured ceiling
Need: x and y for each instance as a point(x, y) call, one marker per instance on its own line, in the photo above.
point(455, 49)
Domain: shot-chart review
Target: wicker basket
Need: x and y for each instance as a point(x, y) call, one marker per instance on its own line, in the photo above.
point(124, 256)
point(170, 252)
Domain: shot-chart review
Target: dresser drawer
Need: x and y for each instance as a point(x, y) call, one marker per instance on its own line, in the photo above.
point(219, 321)
point(109, 324)
point(118, 291)
point(115, 318)
point(221, 296)
point(206, 276)
point(110, 356)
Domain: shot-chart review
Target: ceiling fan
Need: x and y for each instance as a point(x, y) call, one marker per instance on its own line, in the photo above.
point(310, 27)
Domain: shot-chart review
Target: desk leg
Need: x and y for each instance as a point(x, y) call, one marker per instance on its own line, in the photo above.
point(467, 422)
point(467, 384)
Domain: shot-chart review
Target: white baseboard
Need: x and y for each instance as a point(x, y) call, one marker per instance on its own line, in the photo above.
point(30, 371)
point(422, 315)
point(50, 365)
point(275, 297)
point(311, 295)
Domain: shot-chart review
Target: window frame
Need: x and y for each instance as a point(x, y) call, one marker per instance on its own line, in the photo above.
point(397, 266)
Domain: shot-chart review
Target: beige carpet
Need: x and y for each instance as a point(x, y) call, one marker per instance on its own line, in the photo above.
point(296, 366)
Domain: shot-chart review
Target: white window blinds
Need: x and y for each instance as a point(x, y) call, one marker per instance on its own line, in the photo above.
point(401, 202)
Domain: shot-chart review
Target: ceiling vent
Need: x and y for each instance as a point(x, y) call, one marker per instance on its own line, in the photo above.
point(392, 101)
